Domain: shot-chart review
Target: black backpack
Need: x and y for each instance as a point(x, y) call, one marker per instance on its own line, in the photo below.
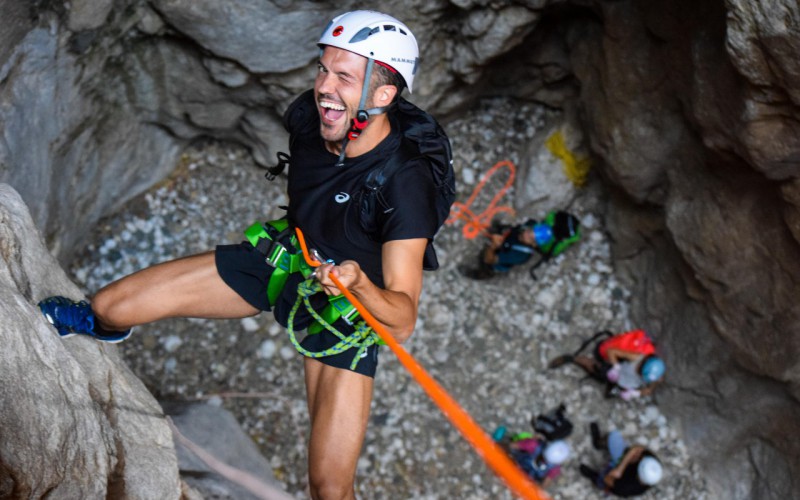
point(423, 137)
point(553, 425)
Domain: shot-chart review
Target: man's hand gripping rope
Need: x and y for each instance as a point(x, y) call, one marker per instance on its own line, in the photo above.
point(491, 453)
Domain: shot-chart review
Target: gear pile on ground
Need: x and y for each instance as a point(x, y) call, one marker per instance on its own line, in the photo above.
point(487, 342)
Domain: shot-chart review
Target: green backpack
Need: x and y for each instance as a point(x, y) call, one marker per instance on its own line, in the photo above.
point(566, 232)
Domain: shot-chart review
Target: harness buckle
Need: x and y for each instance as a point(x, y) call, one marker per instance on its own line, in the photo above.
point(275, 254)
point(350, 316)
point(344, 308)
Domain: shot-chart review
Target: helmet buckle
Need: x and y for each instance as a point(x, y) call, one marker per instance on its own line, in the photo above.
point(360, 122)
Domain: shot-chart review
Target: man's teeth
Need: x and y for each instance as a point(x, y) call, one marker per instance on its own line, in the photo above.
point(331, 105)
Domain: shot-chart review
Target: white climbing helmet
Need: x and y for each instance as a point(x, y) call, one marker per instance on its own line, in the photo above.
point(375, 36)
point(557, 452)
point(650, 471)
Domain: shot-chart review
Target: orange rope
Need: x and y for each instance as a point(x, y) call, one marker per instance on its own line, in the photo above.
point(477, 224)
point(492, 454)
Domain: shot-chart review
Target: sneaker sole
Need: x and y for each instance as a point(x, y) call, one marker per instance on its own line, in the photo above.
point(73, 334)
point(113, 341)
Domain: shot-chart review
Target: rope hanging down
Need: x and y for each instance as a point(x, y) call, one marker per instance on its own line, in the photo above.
point(491, 453)
point(476, 224)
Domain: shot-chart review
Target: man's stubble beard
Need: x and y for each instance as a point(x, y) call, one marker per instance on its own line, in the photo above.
point(324, 130)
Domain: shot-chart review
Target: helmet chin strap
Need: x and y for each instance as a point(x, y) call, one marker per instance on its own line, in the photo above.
point(361, 120)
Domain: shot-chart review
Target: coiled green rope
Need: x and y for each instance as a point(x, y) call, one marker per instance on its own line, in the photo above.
point(362, 337)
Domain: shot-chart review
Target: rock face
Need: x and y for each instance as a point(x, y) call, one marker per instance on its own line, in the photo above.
point(75, 422)
point(217, 432)
point(689, 108)
point(685, 114)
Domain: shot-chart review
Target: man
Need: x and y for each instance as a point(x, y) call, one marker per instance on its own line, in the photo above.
point(514, 246)
point(540, 459)
point(510, 248)
point(631, 471)
point(627, 362)
point(366, 60)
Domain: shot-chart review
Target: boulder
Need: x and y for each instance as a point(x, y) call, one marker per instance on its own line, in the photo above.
point(76, 423)
point(261, 36)
point(216, 431)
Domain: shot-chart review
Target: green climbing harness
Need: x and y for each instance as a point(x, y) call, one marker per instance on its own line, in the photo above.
point(272, 239)
point(278, 243)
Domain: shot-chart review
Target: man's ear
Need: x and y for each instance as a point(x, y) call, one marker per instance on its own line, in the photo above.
point(384, 95)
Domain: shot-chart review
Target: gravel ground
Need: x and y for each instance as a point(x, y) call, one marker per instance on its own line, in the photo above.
point(485, 342)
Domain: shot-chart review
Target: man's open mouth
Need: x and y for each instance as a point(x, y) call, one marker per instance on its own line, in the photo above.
point(331, 111)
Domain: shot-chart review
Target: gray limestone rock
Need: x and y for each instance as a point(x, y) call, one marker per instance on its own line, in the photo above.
point(262, 36)
point(75, 422)
point(73, 156)
point(88, 14)
point(217, 432)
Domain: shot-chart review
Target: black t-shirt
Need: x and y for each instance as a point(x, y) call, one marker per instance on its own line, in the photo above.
point(323, 199)
point(629, 485)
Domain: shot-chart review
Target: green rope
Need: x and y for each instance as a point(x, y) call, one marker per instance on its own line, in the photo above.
point(362, 337)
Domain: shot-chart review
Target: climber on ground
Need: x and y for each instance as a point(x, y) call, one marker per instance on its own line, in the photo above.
point(347, 127)
point(627, 362)
point(540, 459)
point(509, 247)
point(630, 471)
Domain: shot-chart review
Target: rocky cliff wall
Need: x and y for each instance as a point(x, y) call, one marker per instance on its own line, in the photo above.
point(74, 421)
point(690, 109)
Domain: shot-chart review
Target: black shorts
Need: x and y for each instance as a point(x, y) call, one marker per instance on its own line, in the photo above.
point(245, 270)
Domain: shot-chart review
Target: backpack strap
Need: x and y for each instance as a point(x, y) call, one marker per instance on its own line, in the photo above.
point(597, 337)
point(298, 117)
point(372, 202)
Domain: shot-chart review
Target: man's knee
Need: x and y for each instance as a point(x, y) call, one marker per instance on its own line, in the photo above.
point(330, 486)
point(109, 309)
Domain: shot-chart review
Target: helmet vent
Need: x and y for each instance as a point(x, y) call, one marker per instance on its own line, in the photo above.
point(364, 33)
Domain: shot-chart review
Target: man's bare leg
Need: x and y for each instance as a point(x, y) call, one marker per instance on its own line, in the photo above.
point(589, 365)
point(338, 403)
point(187, 287)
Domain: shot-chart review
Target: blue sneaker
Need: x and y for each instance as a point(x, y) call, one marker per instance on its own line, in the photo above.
point(76, 318)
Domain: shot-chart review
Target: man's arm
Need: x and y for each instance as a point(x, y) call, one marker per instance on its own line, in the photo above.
point(649, 388)
point(490, 252)
point(617, 355)
point(633, 454)
point(396, 305)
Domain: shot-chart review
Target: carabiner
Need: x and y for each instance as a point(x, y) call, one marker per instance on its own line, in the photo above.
point(319, 258)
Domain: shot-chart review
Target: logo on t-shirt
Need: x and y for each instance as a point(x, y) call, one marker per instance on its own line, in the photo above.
point(341, 197)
